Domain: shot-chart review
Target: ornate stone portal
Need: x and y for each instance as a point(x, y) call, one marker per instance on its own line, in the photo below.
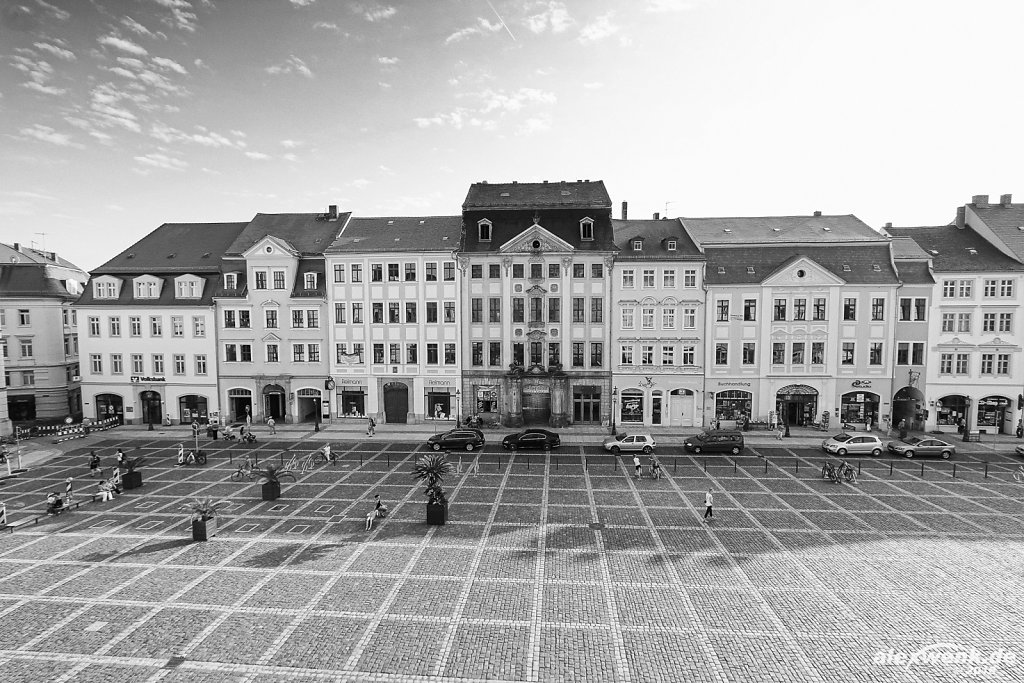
point(545, 383)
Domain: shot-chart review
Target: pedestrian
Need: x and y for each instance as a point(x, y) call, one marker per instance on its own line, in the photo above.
point(903, 428)
point(69, 488)
point(1020, 428)
point(867, 423)
point(960, 424)
point(779, 434)
point(327, 452)
point(709, 500)
point(636, 466)
point(94, 463)
point(272, 425)
point(121, 459)
point(371, 426)
point(655, 467)
point(771, 421)
point(888, 428)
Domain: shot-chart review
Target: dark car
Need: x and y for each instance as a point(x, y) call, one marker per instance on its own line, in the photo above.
point(531, 438)
point(457, 439)
point(715, 441)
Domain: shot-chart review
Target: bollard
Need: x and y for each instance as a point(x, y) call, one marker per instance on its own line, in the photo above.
point(858, 468)
point(797, 465)
point(954, 470)
point(922, 470)
point(556, 464)
point(890, 468)
point(584, 463)
point(360, 459)
point(280, 458)
point(389, 458)
point(499, 460)
point(231, 457)
point(734, 467)
point(986, 469)
point(615, 462)
point(256, 457)
point(766, 465)
point(705, 464)
point(675, 464)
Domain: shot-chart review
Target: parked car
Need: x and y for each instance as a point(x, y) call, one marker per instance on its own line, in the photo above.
point(715, 441)
point(457, 439)
point(629, 442)
point(914, 445)
point(531, 438)
point(843, 443)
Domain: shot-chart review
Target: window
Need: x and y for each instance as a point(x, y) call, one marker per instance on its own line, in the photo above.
point(668, 355)
point(628, 278)
point(988, 360)
point(963, 322)
point(158, 363)
point(689, 354)
point(638, 245)
point(309, 280)
point(339, 315)
point(3, 348)
point(410, 312)
point(689, 278)
point(903, 353)
point(627, 354)
point(917, 353)
point(449, 354)
point(878, 309)
point(230, 281)
point(819, 308)
point(410, 272)
point(432, 357)
point(920, 306)
point(116, 364)
point(494, 357)
point(946, 364)
point(376, 272)
point(411, 354)
point(850, 308)
point(536, 309)
point(948, 322)
point(24, 317)
point(299, 352)
point(817, 353)
point(115, 326)
point(948, 288)
point(848, 353)
point(449, 311)
point(577, 354)
point(339, 272)
point(273, 353)
point(905, 309)
point(1006, 288)
point(596, 354)
point(668, 278)
point(671, 245)
point(105, 290)
point(587, 229)
point(430, 272)
point(798, 353)
point(1006, 322)
point(964, 289)
point(668, 319)
point(578, 311)
point(146, 290)
point(596, 309)
point(94, 326)
point(357, 314)
point(135, 326)
point(536, 271)
point(647, 318)
point(648, 278)
point(554, 354)
point(377, 313)
point(299, 317)
point(494, 271)
point(1003, 364)
point(188, 289)
point(799, 309)
point(230, 353)
point(260, 279)
point(750, 309)
point(449, 271)
point(483, 229)
point(394, 313)
point(494, 309)
point(579, 270)
point(554, 310)
point(476, 314)
point(689, 318)
point(553, 272)
point(229, 318)
point(597, 270)
point(96, 363)
point(357, 272)
point(279, 279)
point(749, 351)
point(477, 354)
point(200, 363)
point(517, 271)
point(198, 326)
point(476, 271)
point(779, 310)
point(988, 322)
point(647, 354)
point(962, 366)
point(314, 352)
point(628, 318)
point(518, 310)
point(778, 353)
point(179, 364)
point(875, 353)
point(990, 289)
point(722, 306)
point(156, 326)
point(393, 272)
point(721, 353)
point(137, 364)
point(177, 326)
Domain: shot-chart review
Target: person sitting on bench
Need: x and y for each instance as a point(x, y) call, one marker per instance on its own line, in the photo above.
point(54, 504)
point(106, 491)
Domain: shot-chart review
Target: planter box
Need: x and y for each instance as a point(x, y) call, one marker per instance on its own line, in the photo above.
point(271, 490)
point(204, 530)
point(437, 514)
point(132, 480)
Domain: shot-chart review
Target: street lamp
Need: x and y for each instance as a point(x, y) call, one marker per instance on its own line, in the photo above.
point(458, 407)
point(967, 419)
point(615, 395)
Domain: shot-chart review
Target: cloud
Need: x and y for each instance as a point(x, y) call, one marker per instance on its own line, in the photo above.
point(387, 61)
point(290, 144)
point(660, 6)
point(456, 118)
point(258, 156)
point(599, 29)
point(44, 89)
point(157, 160)
point(291, 65)
point(383, 85)
point(535, 124)
point(204, 136)
point(122, 44)
point(107, 111)
point(238, 133)
point(170, 65)
point(326, 26)
point(500, 100)
point(55, 12)
point(360, 183)
point(593, 85)
point(289, 157)
point(302, 3)
point(56, 51)
point(39, 73)
point(181, 14)
point(482, 27)
point(46, 134)
point(374, 12)
point(550, 15)
point(138, 29)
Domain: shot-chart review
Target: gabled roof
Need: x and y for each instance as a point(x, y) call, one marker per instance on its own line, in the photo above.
point(166, 298)
point(516, 195)
point(907, 248)
point(655, 235)
point(563, 223)
point(176, 248)
point(1006, 221)
point(914, 272)
point(23, 254)
point(753, 264)
point(307, 233)
point(29, 280)
point(779, 230)
point(398, 234)
point(951, 248)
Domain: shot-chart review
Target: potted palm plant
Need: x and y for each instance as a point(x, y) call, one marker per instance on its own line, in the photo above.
point(204, 517)
point(431, 470)
point(132, 478)
point(270, 477)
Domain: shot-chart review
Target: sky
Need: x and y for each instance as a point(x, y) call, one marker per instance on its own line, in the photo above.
point(119, 115)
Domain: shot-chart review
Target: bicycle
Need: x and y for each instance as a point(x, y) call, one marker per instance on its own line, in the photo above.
point(244, 470)
point(1018, 474)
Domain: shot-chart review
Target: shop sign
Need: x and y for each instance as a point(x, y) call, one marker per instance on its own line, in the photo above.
point(137, 378)
point(535, 389)
point(861, 384)
point(734, 384)
point(352, 381)
point(436, 382)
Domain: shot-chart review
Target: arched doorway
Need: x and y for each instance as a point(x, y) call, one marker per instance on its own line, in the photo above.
point(908, 404)
point(857, 406)
point(949, 410)
point(240, 404)
point(681, 412)
point(536, 402)
point(797, 404)
point(273, 402)
point(992, 411)
point(152, 407)
point(192, 407)
point(309, 404)
point(396, 402)
point(108, 406)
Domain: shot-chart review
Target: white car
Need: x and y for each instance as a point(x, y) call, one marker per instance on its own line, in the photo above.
point(629, 442)
point(843, 443)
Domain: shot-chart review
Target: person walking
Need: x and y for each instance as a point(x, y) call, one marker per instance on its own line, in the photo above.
point(655, 466)
point(637, 467)
point(121, 460)
point(371, 426)
point(94, 463)
point(272, 425)
point(709, 500)
point(903, 428)
point(867, 423)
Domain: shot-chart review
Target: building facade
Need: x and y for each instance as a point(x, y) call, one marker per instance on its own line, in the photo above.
point(148, 337)
point(657, 325)
point(914, 310)
point(394, 330)
point(536, 263)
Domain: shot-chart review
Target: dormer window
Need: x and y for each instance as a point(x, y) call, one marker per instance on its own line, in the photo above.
point(671, 246)
point(188, 288)
point(638, 245)
point(105, 289)
point(230, 281)
point(147, 288)
point(484, 230)
point(310, 279)
point(587, 229)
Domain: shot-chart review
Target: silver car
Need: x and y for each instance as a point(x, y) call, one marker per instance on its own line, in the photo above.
point(643, 443)
point(843, 443)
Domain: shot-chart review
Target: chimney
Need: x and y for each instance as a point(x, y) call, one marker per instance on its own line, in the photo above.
point(980, 200)
point(1005, 200)
point(888, 225)
point(625, 207)
point(817, 213)
point(961, 217)
point(52, 255)
point(17, 247)
point(332, 212)
point(657, 215)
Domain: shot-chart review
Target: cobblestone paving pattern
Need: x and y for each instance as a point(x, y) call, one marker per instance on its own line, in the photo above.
point(556, 568)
